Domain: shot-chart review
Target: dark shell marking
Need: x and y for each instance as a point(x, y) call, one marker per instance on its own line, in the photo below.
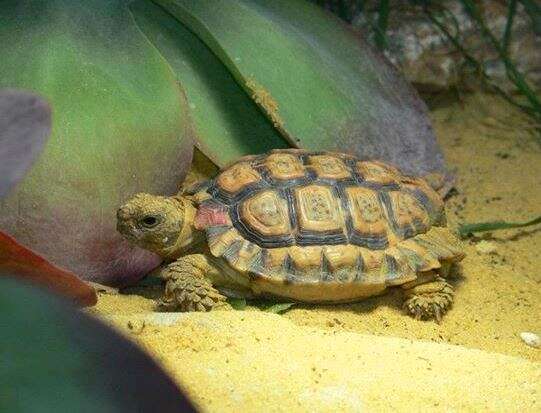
point(308, 217)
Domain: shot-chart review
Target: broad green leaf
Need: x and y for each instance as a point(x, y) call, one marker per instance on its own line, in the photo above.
point(228, 123)
point(120, 126)
point(56, 359)
point(318, 82)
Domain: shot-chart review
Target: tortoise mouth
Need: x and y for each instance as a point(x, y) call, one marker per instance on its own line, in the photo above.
point(126, 231)
point(124, 225)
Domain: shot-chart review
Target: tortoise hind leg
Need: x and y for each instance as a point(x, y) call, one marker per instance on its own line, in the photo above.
point(430, 296)
point(188, 288)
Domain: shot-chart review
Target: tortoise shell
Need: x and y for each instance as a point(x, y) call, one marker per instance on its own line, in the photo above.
point(293, 217)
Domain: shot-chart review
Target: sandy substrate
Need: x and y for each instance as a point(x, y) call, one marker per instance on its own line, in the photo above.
point(332, 358)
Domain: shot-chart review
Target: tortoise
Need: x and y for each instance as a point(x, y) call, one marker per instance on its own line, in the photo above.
point(318, 227)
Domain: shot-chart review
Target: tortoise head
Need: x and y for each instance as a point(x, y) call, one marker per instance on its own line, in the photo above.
point(160, 224)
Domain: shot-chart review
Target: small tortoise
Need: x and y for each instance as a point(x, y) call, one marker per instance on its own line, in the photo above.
point(303, 226)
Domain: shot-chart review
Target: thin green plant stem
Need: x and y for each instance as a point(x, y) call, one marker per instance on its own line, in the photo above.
point(343, 11)
point(478, 66)
point(533, 9)
point(383, 22)
point(467, 229)
point(511, 12)
point(512, 73)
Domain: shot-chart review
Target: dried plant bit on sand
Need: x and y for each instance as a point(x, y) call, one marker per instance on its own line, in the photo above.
point(466, 230)
point(279, 308)
point(237, 303)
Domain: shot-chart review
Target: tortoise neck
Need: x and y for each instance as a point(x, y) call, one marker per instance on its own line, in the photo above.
point(189, 237)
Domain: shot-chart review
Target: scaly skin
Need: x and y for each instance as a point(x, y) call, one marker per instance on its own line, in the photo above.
point(429, 299)
point(188, 288)
point(163, 225)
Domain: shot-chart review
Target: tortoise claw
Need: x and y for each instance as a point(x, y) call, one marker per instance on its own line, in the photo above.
point(429, 302)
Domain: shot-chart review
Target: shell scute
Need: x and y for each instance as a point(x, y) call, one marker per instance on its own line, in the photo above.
point(378, 172)
point(242, 255)
point(329, 167)
point(219, 241)
point(237, 177)
point(267, 213)
point(306, 258)
point(371, 267)
point(341, 256)
point(274, 259)
point(284, 166)
point(397, 267)
point(427, 197)
point(406, 215)
point(318, 210)
point(369, 225)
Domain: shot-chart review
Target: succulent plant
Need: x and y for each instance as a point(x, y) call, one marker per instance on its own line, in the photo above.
point(56, 358)
point(25, 123)
point(59, 359)
point(135, 84)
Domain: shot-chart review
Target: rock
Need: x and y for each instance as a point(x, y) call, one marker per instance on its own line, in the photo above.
point(430, 61)
point(531, 339)
point(218, 356)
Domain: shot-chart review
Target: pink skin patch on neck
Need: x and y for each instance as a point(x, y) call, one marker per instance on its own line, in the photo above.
point(211, 215)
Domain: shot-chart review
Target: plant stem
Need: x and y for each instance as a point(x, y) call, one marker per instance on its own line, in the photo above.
point(512, 73)
point(467, 229)
point(383, 22)
point(512, 10)
point(471, 60)
point(479, 67)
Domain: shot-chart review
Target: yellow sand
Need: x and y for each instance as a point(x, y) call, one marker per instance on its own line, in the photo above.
point(331, 358)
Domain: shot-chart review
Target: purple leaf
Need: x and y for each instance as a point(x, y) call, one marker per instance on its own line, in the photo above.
point(25, 124)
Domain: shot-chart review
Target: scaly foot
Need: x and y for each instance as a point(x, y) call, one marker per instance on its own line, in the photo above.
point(429, 300)
point(187, 288)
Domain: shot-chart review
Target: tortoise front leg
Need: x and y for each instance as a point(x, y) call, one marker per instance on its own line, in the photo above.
point(188, 287)
point(430, 296)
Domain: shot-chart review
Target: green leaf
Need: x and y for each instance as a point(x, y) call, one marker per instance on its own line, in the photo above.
point(56, 359)
point(120, 126)
point(321, 86)
point(237, 303)
point(467, 229)
point(279, 308)
point(228, 123)
point(150, 281)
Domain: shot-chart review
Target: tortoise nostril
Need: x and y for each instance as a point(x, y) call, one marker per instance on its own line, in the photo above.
point(122, 213)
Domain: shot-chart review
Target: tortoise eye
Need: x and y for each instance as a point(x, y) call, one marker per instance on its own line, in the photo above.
point(149, 221)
